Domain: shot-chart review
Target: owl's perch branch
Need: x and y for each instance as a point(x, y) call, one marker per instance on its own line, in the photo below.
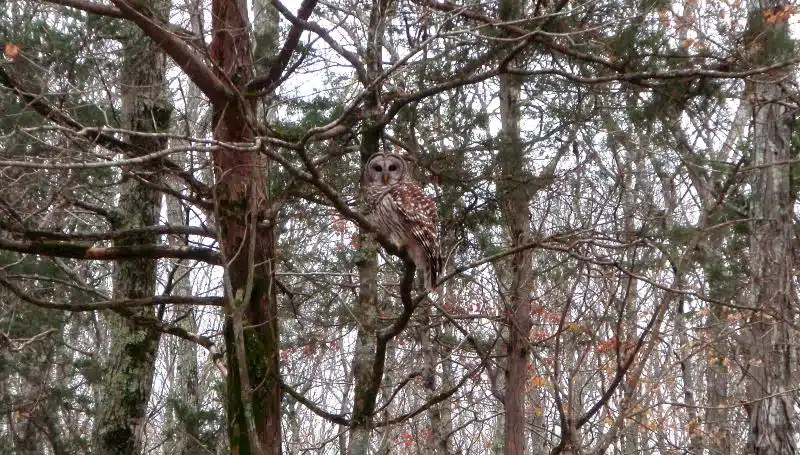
point(385, 335)
point(383, 338)
point(409, 304)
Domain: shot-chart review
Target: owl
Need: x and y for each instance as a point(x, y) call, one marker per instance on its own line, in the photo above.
point(403, 213)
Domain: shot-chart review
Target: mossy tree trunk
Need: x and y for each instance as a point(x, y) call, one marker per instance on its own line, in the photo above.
point(248, 246)
point(128, 377)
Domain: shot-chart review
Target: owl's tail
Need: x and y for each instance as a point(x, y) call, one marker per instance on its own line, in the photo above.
point(433, 272)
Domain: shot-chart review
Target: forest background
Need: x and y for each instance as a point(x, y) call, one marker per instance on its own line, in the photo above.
point(185, 266)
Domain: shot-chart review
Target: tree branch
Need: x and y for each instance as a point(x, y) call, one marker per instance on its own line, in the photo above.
point(109, 11)
point(188, 60)
point(269, 80)
point(141, 159)
point(316, 28)
point(90, 7)
point(122, 307)
point(436, 399)
point(638, 77)
point(116, 304)
point(111, 235)
point(335, 418)
point(163, 327)
point(94, 135)
point(132, 252)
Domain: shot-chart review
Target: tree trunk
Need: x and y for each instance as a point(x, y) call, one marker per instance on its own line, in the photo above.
point(769, 340)
point(367, 382)
point(248, 246)
point(718, 431)
point(366, 385)
point(128, 377)
point(516, 212)
point(185, 439)
point(434, 439)
point(186, 425)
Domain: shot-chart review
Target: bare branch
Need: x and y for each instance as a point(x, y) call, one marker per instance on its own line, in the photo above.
point(188, 60)
point(666, 75)
point(112, 235)
point(335, 418)
point(90, 7)
point(316, 28)
point(132, 252)
point(95, 135)
point(116, 304)
point(269, 80)
point(18, 345)
point(99, 164)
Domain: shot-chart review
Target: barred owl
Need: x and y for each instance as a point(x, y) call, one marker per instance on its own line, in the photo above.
point(403, 212)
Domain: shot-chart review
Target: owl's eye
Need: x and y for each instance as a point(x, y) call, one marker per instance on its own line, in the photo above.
point(377, 167)
point(392, 167)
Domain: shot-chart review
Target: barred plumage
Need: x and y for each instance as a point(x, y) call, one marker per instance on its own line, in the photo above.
point(402, 211)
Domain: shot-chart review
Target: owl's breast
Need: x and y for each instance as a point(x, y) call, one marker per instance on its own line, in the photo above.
point(373, 196)
point(386, 215)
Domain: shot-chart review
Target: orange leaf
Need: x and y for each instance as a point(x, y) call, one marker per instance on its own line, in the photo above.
point(11, 50)
point(538, 381)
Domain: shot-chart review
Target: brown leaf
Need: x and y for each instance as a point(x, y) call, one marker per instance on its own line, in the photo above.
point(11, 50)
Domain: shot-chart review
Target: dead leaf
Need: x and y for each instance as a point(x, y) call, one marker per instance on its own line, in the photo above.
point(11, 50)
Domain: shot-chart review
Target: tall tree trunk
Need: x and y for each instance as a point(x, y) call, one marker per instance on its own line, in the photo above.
point(516, 212)
point(631, 159)
point(367, 380)
point(186, 425)
point(718, 432)
point(770, 341)
point(248, 247)
point(366, 345)
point(128, 377)
point(185, 397)
point(433, 440)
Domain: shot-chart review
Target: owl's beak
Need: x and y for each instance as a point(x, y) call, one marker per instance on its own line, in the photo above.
point(385, 179)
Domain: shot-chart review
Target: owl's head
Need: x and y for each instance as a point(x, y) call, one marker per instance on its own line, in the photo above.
point(384, 169)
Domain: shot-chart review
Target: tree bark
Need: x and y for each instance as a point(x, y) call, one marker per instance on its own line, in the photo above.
point(434, 440)
point(248, 247)
point(185, 395)
point(128, 377)
point(367, 382)
point(515, 201)
point(769, 339)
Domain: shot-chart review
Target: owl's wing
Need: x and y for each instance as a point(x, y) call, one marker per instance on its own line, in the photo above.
point(419, 216)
